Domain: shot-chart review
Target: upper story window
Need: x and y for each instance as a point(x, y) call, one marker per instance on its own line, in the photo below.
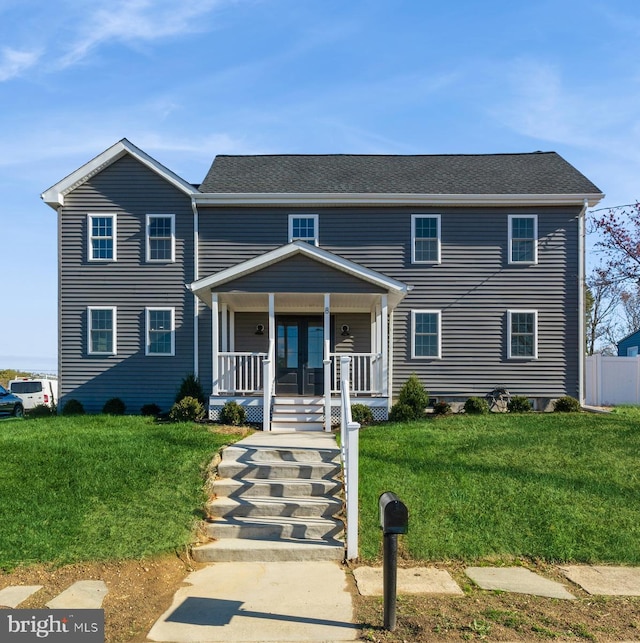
point(101, 325)
point(102, 237)
point(425, 238)
point(303, 227)
point(522, 334)
point(523, 238)
point(161, 237)
point(160, 331)
point(426, 336)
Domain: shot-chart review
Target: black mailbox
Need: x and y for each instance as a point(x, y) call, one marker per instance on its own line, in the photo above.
point(394, 516)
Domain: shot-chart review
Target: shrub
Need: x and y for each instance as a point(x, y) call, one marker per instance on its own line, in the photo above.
point(402, 413)
point(73, 407)
point(188, 409)
point(362, 414)
point(519, 404)
point(41, 411)
point(233, 414)
point(476, 405)
point(566, 404)
point(413, 395)
point(441, 408)
point(151, 409)
point(191, 387)
point(114, 406)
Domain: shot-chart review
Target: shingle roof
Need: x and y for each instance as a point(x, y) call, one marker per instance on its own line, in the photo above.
point(530, 173)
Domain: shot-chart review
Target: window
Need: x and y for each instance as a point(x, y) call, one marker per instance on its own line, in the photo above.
point(632, 351)
point(161, 237)
point(425, 238)
point(522, 331)
point(303, 227)
point(101, 330)
point(523, 239)
point(102, 237)
point(160, 331)
point(426, 333)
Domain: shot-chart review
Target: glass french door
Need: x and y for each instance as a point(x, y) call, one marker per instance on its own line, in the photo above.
point(299, 355)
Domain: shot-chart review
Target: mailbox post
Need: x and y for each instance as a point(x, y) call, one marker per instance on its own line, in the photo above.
point(394, 520)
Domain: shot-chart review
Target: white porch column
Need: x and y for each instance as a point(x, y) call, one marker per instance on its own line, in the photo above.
point(327, 362)
point(224, 332)
point(384, 337)
point(272, 327)
point(232, 330)
point(214, 343)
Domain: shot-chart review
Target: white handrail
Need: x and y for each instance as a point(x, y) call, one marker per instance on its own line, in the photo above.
point(240, 372)
point(267, 392)
point(349, 450)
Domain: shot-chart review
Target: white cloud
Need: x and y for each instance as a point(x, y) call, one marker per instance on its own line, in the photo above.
point(14, 62)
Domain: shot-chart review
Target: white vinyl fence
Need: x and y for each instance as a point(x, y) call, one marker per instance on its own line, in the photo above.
point(612, 380)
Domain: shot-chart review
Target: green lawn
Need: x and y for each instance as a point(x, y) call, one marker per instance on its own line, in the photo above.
point(99, 487)
point(561, 487)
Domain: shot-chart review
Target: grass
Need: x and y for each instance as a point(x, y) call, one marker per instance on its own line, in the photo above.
point(557, 487)
point(99, 487)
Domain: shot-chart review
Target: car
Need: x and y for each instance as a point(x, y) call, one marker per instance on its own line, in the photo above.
point(35, 391)
point(10, 404)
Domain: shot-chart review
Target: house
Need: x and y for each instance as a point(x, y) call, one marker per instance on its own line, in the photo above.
point(464, 269)
point(628, 347)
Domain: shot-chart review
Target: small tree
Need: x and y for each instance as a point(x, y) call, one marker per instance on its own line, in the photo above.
point(412, 396)
point(191, 387)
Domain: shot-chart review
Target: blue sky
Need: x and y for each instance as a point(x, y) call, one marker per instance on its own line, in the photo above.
point(188, 79)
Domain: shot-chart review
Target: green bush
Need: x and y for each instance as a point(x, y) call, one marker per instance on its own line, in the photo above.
point(41, 411)
point(191, 387)
point(151, 409)
point(402, 413)
point(519, 404)
point(476, 405)
point(233, 414)
point(188, 409)
point(566, 404)
point(114, 406)
point(441, 408)
point(362, 414)
point(73, 407)
point(413, 395)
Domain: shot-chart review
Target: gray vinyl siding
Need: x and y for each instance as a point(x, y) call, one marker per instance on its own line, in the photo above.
point(131, 191)
point(474, 286)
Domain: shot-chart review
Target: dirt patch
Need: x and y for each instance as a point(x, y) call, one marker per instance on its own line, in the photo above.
point(139, 591)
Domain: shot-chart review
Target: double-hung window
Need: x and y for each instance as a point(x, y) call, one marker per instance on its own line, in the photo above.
point(522, 334)
point(101, 325)
point(523, 238)
point(425, 238)
point(303, 227)
point(102, 237)
point(161, 333)
point(161, 237)
point(426, 334)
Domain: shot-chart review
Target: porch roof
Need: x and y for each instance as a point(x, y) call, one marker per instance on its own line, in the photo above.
point(203, 288)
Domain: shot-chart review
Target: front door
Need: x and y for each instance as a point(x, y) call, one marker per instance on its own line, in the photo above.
point(300, 347)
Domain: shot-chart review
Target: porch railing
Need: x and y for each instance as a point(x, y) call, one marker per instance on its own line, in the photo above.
point(365, 372)
point(240, 372)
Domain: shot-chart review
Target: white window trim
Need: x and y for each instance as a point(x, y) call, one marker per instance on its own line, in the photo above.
point(148, 238)
point(535, 239)
point(90, 237)
point(414, 217)
point(315, 226)
point(148, 310)
point(114, 311)
point(413, 334)
point(535, 335)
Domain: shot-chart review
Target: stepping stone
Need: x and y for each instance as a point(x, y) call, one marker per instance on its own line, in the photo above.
point(13, 595)
point(518, 580)
point(84, 594)
point(416, 580)
point(609, 581)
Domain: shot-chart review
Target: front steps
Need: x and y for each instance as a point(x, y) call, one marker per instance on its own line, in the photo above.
point(297, 414)
point(276, 498)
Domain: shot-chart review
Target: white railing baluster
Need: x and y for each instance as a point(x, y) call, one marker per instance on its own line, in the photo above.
point(364, 373)
point(240, 372)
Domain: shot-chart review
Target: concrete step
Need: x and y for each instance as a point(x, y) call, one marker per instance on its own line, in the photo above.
point(281, 488)
point(272, 507)
point(275, 469)
point(265, 528)
point(265, 551)
point(284, 455)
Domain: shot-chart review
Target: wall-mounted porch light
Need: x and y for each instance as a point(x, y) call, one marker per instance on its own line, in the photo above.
point(260, 329)
point(345, 330)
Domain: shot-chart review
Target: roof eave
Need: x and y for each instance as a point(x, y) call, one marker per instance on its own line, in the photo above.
point(336, 198)
point(55, 195)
